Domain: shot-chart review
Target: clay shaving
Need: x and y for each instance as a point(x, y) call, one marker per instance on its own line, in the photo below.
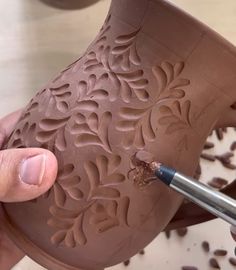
point(220, 252)
point(182, 232)
point(142, 172)
point(189, 268)
point(232, 261)
point(205, 246)
point(126, 263)
point(214, 263)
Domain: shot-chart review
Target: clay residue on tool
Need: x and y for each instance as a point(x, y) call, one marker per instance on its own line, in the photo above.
point(142, 170)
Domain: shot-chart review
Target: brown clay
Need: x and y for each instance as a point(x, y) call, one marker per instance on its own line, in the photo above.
point(154, 79)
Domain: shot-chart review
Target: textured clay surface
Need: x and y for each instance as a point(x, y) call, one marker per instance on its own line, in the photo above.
point(154, 79)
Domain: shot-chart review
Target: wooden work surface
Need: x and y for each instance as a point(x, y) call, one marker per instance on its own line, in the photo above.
point(37, 41)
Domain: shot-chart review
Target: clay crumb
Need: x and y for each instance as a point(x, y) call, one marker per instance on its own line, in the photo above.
point(219, 134)
point(205, 246)
point(207, 157)
point(126, 263)
point(182, 232)
point(214, 263)
point(233, 146)
point(189, 268)
point(232, 261)
point(225, 158)
point(208, 145)
point(217, 182)
point(142, 252)
point(142, 168)
point(229, 166)
point(220, 252)
point(167, 234)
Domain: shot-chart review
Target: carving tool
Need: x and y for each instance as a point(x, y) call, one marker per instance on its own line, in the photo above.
point(213, 201)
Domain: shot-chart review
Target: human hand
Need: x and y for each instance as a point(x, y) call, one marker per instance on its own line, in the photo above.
point(25, 174)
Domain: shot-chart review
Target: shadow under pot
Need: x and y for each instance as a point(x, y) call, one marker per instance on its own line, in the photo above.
point(154, 80)
point(69, 4)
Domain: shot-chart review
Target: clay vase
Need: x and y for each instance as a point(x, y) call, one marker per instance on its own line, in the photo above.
point(153, 80)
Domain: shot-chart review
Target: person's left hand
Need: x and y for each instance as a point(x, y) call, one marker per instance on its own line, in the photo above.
point(24, 175)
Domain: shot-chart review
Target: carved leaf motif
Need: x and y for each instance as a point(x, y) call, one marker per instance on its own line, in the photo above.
point(60, 88)
point(125, 51)
point(60, 141)
point(109, 215)
point(75, 193)
point(107, 208)
point(53, 129)
point(69, 182)
point(58, 237)
point(94, 131)
point(79, 234)
point(87, 105)
point(99, 61)
point(123, 210)
point(137, 125)
point(60, 196)
point(66, 171)
point(92, 89)
point(176, 117)
point(132, 82)
point(61, 224)
point(105, 193)
point(70, 240)
point(102, 182)
point(168, 80)
point(52, 124)
point(104, 216)
point(62, 106)
point(99, 94)
point(63, 213)
point(93, 122)
point(45, 136)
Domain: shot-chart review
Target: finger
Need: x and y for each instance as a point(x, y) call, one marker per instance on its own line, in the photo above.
point(26, 173)
point(7, 124)
point(233, 232)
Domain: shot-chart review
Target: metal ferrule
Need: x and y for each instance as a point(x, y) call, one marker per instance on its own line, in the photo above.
point(213, 201)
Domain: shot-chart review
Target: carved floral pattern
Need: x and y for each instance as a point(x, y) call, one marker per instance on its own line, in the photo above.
point(176, 116)
point(118, 66)
point(136, 123)
point(104, 204)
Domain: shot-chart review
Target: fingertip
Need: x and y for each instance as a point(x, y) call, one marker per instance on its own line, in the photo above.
point(26, 173)
point(51, 168)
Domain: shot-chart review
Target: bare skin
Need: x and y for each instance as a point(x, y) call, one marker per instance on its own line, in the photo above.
point(14, 188)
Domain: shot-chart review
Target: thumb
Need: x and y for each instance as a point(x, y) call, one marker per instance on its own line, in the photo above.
point(26, 173)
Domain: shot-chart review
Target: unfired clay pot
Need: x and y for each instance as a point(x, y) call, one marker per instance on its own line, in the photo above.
point(154, 79)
